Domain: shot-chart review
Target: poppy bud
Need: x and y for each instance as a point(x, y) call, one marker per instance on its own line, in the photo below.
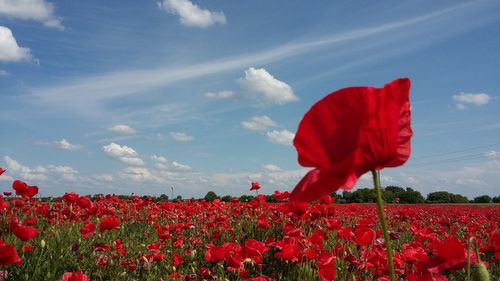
point(480, 273)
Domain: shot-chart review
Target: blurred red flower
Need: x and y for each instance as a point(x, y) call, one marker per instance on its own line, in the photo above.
point(24, 189)
point(9, 255)
point(25, 233)
point(255, 185)
point(350, 132)
point(109, 223)
point(2, 170)
point(74, 276)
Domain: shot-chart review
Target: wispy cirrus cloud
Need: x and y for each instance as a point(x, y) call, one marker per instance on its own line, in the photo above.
point(62, 144)
point(179, 136)
point(95, 90)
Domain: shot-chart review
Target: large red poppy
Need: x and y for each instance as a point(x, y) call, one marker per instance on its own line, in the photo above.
point(350, 132)
point(9, 255)
point(24, 189)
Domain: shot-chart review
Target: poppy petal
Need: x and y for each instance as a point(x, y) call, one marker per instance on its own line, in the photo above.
point(350, 132)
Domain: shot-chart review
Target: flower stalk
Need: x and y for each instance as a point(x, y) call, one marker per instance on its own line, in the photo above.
point(385, 232)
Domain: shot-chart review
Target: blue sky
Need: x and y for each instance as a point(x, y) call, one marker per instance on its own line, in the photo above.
point(138, 96)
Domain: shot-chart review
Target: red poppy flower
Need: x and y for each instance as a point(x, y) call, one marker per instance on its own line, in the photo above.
point(74, 276)
point(25, 233)
point(350, 132)
point(109, 223)
point(2, 170)
point(177, 260)
point(24, 189)
point(3, 205)
point(9, 255)
point(255, 186)
point(88, 229)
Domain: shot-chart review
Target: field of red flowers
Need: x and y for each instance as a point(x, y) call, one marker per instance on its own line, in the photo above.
point(108, 238)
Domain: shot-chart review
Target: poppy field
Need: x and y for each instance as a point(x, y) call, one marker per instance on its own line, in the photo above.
point(112, 238)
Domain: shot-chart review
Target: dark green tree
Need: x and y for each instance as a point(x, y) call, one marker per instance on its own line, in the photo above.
point(446, 197)
point(211, 196)
point(482, 199)
point(496, 199)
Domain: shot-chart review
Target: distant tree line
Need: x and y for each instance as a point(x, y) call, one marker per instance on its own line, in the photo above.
point(390, 194)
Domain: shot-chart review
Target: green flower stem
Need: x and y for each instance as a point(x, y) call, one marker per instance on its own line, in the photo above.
point(385, 232)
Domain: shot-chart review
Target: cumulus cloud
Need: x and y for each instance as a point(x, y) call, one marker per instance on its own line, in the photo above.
point(192, 15)
point(62, 144)
point(65, 173)
point(259, 123)
point(283, 137)
point(24, 172)
point(220, 95)
point(181, 136)
point(123, 129)
point(462, 100)
point(103, 177)
point(66, 145)
point(137, 174)
point(37, 10)
point(9, 50)
point(41, 173)
point(124, 154)
point(261, 86)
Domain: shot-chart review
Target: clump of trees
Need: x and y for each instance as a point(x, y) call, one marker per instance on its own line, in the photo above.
point(390, 194)
point(446, 197)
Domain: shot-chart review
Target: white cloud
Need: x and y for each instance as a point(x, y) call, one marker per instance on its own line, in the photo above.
point(492, 154)
point(180, 167)
point(220, 95)
point(3, 73)
point(124, 154)
point(283, 137)
point(159, 159)
point(65, 145)
point(103, 177)
point(62, 144)
point(192, 15)
point(24, 172)
point(41, 173)
point(93, 91)
point(271, 168)
point(9, 50)
point(181, 136)
point(137, 174)
point(37, 10)
point(64, 173)
point(462, 100)
point(259, 123)
point(123, 129)
point(261, 86)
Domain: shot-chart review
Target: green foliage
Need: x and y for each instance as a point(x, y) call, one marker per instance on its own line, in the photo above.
point(496, 199)
point(446, 197)
point(211, 196)
point(482, 199)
